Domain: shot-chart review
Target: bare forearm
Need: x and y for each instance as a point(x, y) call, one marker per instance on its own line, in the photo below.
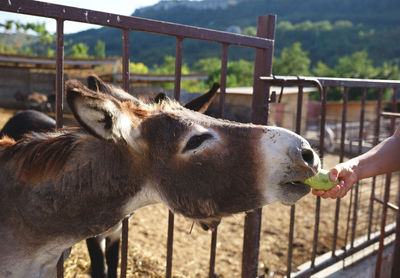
point(383, 158)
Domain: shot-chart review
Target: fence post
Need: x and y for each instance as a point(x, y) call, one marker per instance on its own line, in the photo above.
point(125, 85)
point(262, 67)
point(59, 102)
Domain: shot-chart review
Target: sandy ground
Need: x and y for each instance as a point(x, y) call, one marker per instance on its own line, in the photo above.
point(148, 237)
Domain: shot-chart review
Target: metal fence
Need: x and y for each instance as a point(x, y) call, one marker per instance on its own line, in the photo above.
point(378, 193)
point(263, 46)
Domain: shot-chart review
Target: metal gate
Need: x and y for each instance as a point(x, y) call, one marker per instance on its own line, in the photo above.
point(263, 46)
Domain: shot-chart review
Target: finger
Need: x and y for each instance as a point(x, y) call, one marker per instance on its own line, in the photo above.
point(318, 192)
point(334, 173)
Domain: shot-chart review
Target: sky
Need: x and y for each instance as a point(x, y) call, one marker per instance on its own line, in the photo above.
point(123, 7)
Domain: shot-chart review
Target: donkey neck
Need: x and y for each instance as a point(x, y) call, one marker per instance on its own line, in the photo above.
point(92, 190)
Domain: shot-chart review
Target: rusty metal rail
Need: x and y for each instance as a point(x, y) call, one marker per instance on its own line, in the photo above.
point(263, 45)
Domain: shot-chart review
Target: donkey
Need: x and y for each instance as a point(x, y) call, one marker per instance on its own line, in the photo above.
point(62, 187)
point(35, 121)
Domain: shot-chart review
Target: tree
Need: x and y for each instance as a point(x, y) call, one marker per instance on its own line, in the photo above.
point(99, 49)
point(138, 68)
point(41, 44)
point(78, 50)
point(292, 61)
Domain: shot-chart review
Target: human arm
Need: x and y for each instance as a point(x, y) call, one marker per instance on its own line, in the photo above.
point(383, 158)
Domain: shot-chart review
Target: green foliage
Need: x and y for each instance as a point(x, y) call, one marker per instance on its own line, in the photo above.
point(40, 44)
point(292, 61)
point(99, 49)
point(239, 74)
point(168, 67)
point(78, 50)
point(139, 68)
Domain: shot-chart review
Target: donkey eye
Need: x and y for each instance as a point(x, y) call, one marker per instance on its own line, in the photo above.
point(195, 141)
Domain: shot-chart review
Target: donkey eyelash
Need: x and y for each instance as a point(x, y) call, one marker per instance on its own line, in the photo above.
point(196, 141)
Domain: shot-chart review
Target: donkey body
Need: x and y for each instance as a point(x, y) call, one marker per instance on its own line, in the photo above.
point(105, 247)
point(59, 188)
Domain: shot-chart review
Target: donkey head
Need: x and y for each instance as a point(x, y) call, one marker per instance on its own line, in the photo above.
point(199, 166)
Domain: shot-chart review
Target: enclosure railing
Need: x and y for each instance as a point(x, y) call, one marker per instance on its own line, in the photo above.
point(348, 85)
point(263, 45)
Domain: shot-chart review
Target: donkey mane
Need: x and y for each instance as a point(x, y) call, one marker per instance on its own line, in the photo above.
point(39, 156)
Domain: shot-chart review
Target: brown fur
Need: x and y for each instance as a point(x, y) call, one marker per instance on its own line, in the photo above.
point(36, 160)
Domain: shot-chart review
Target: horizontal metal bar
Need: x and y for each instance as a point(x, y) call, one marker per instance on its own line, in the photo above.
point(55, 11)
point(332, 260)
point(390, 205)
point(390, 114)
point(340, 82)
point(354, 82)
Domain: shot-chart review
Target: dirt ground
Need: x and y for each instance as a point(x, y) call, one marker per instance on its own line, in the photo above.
point(148, 237)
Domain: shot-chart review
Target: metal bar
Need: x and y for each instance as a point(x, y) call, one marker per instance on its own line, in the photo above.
point(290, 241)
point(211, 273)
point(59, 102)
point(396, 254)
point(224, 66)
point(390, 114)
point(262, 66)
point(343, 82)
point(170, 242)
point(293, 207)
point(321, 155)
point(125, 84)
point(342, 139)
point(377, 131)
point(133, 23)
point(59, 73)
point(356, 187)
point(171, 217)
point(385, 199)
point(308, 272)
point(390, 205)
point(383, 224)
point(178, 68)
point(224, 62)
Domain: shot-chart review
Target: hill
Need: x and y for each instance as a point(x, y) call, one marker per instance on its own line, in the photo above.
point(327, 29)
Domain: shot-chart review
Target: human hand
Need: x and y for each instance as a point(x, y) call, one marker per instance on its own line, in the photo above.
point(347, 176)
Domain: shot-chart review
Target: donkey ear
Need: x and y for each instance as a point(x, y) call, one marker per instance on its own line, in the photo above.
point(98, 85)
point(101, 115)
point(202, 103)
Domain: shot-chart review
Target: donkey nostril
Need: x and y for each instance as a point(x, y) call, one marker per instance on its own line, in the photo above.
point(308, 156)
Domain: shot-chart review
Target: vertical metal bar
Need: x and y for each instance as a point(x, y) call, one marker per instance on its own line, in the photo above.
point(224, 65)
point(170, 242)
point(262, 66)
point(342, 139)
point(126, 85)
point(178, 68)
point(293, 208)
point(224, 62)
point(385, 200)
point(396, 254)
point(211, 273)
point(360, 136)
point(59, 101)
point(377, 131)
point(177, 92)
point(59, 73)
point(321, 154)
